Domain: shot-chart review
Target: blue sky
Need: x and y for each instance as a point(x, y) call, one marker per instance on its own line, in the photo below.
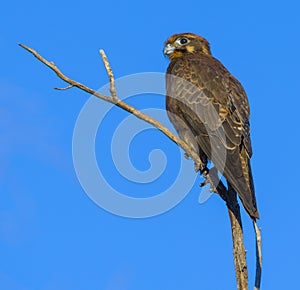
point(52, 235)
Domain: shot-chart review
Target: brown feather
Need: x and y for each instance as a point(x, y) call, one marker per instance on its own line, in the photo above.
point(210, 111)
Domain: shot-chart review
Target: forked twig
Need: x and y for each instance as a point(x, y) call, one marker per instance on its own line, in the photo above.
point(112, 87)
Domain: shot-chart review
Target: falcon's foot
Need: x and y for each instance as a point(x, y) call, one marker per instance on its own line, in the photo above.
point(204, 171)
point(205, 182)
point(197, 167)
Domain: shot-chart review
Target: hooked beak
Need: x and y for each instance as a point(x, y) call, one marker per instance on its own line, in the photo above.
point(168, 49)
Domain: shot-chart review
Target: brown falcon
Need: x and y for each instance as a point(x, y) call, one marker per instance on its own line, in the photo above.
point(210, 111)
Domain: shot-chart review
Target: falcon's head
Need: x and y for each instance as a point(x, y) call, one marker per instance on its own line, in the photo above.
point(179, 44)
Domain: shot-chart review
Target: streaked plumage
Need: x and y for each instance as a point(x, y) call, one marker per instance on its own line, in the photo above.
point(210, 111)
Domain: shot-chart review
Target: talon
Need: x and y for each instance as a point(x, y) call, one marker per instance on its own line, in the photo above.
point(204, 171)
point(203, 183)
point(212, 189)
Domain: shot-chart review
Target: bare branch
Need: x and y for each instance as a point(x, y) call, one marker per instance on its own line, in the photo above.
point(239, 253)
point(120, 104)
point(258, 256)
point(63, 89)
point(52, 66)
point(110, 75)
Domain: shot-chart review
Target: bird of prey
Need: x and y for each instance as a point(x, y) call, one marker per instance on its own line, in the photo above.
point(210, 111)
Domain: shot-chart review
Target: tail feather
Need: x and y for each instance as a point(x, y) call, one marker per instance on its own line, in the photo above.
point(245, 187)
point(238, 173)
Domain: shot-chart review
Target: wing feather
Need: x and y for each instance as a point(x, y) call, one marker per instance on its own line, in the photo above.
point(213, 106)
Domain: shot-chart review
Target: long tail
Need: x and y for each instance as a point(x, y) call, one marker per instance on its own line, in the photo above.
point(245, 187)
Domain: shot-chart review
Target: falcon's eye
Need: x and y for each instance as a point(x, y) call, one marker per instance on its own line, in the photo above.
point(182, 41)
